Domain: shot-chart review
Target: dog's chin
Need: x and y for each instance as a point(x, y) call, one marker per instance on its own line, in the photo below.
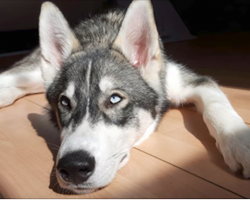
point(84, 190)
point(78, 190)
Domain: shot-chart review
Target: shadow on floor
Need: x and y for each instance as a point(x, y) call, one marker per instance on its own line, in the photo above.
point(51, 136)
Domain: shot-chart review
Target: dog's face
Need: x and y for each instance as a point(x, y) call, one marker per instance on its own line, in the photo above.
point(99, 113)
point(105, 99)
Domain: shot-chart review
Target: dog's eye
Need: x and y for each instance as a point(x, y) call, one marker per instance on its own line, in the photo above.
point(115, 98)
point(65, 102)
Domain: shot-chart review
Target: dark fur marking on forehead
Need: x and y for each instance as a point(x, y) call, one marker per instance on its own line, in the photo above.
point(104, 63)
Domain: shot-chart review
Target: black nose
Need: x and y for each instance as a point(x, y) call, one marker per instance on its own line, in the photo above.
point(76, 167)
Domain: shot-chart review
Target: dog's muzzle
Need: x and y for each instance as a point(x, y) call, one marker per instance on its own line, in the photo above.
point(76, 167)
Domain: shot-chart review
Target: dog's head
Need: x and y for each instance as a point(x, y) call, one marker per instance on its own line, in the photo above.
point(106, 98)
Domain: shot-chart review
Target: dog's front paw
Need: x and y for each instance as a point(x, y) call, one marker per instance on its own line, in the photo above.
point(235, 148)
point(8, 96)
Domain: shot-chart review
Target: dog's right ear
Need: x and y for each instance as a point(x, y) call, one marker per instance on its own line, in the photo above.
point(57, 41)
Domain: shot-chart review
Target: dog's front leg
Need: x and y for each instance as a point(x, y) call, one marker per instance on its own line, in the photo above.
point(24, 77)
point(232, 135)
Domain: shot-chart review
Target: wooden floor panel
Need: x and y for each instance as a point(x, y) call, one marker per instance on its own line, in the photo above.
point(179, 160)
point(39, 99)
point(28, 149)
point(190, 147)
point(183, 140)
point(240, 100)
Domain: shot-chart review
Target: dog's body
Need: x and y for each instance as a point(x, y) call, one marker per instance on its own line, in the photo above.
point(109, 83)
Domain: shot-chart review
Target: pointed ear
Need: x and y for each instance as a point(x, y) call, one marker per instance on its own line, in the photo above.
point(138, 37)
point(57, 40)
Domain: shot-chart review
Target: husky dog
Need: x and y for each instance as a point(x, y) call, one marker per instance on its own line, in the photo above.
point(109, 83)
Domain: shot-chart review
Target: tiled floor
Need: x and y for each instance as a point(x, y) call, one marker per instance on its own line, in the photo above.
point(179, 160)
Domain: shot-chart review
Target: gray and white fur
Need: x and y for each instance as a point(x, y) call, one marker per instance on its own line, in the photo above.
point(109, 83)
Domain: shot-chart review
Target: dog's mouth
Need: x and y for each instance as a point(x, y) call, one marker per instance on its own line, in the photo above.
point(123, 158)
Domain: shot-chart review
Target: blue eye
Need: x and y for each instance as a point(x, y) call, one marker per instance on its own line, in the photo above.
point(115, 99)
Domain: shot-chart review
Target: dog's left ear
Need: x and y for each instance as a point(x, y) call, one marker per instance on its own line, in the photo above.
point(138, 37)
